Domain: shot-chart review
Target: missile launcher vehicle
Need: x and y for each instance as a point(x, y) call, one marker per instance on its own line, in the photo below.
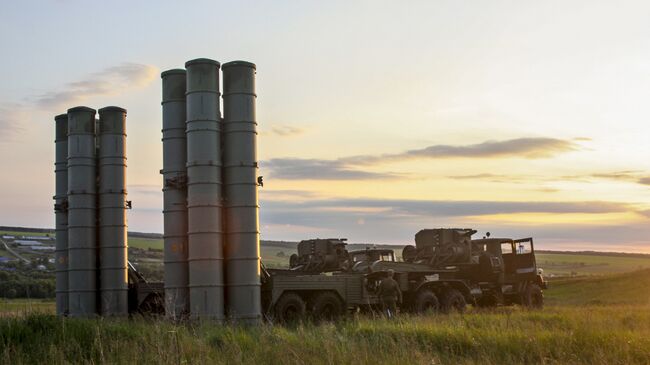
point(444, 271)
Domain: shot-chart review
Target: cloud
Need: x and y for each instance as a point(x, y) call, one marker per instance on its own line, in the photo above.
point(451, 208)
point(547, 190)
point(12, 116)
point(109, 81)
point(498, 178)
point(316, 169)
point(347, 168)
point(287, 193)
point(145, 189)
point(284, 131)
point(632, 176)
point(477, 176)
point(396, 221)
point(530, 148)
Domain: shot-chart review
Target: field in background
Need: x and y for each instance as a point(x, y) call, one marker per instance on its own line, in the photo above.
point(146, 243)
point(590, 264)
point(22, 307)
point(276, 254)
point(594, 320)
point(25, 233)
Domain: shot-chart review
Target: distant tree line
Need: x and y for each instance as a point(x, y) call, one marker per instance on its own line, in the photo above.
point(32, 284)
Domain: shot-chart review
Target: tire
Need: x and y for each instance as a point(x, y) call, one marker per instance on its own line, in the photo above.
point(453, 301)
point(293, 260)
point(289, 308)
point(426, 301)
point(533, 297)
point(326, 306)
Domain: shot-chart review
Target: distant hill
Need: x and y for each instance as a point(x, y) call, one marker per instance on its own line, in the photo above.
point(596, 253)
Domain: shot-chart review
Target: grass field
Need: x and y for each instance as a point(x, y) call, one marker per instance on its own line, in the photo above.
point(563, 335)
point(591, 320)
point(22, 307)
point(146, 243)
point(589, 264)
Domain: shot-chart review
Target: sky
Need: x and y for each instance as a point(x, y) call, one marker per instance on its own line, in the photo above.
point(376, 118)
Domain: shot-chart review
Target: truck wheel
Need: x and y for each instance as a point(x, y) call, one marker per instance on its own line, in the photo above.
point(426, 301)
point(326, 306)
point(453, 300)
point(533, 297)
point(293, 260)
point(289, 308)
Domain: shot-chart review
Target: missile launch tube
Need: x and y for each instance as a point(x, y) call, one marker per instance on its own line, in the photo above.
point(175, 193)
point(204, 196)
point(242, 242)
point(113, 254)
point(82, 213)
point(61, 213)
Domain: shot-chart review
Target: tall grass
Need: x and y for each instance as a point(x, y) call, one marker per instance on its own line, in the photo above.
point(559, 335)
point(603, 320)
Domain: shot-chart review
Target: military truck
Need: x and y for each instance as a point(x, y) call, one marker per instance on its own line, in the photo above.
point(447, 269)
point(444, 271)
point(324, 281)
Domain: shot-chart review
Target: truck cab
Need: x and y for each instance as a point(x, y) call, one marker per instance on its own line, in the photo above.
point(362, 260)
point(514, 270)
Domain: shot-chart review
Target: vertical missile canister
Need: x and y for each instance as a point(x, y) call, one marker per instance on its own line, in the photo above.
point(242, 239)
point(175, 193)
point(82, 213)
point(113, 256)
point(204, 195)
point(61, 213)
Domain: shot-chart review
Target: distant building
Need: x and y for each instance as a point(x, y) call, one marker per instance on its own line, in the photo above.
point(41, 238)
point(9, 237)
point(42, 248)
point(4, 260)
point(27, 243)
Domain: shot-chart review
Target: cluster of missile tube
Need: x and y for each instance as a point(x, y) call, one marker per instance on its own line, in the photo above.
point(90, 213)
point(210, 203)
point(211, 212)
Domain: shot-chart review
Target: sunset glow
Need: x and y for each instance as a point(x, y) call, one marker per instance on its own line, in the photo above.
point(530, 122)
